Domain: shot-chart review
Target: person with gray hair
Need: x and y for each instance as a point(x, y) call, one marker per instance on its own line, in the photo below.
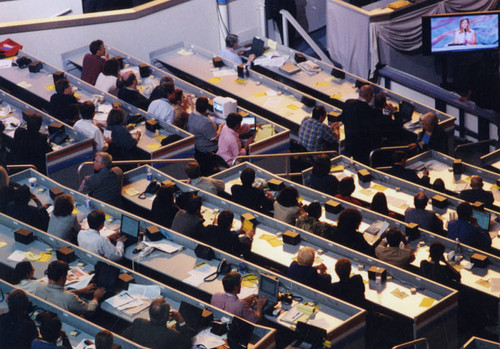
point(477, 193)
point(304, 272)
point(432, 137)
point(154, 333)
point(106, 183)
point(229, 52)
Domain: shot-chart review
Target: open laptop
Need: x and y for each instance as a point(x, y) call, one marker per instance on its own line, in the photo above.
point(309, 336)
point(269, 288)
point(405, 111)
point(106, 276)
point(239, 334)
point(483, 219)
point(192, 315)
point(257, 48)
point(131, 228)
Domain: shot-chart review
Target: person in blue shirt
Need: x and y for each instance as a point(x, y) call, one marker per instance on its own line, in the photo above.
point(466, 229)
point(229, 52)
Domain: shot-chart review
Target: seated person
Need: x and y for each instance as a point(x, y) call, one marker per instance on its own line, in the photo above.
point(189, 221)
point(230, 302)
point(349, 288)
point(63, 223)
point(229, 52)
point(311, 222)
point(93, 62)
point(106, 81)
point(86, 126)
point(94, 242)
point(346, 188)
point(106, 183)
point(303, 271)
point(391, 252)
point(249, 196)
point(104, 340)
point(181, 104)
point(154, 333)
point(477, 193)
point(7, 189)
point(221, 236)
point(347, 233)
point(229, 145)
point(466, 229)
point(17, 330)
point(30, 145)
point(426, 219)
point(379, 204)
point(320, 178)
point(123, 145)
point(55, 293)
point(398, 169)
point(21, 210)
point(433, 269)
point(156, 93)
point(61, 101)
point(287, 207)
point(432, 137)
point(160, 108)
point(439, 185)
point(129, 93)
point(164, 208)
point(24, 277)
point(51, 332)
point(315, 135)
point(211, 185)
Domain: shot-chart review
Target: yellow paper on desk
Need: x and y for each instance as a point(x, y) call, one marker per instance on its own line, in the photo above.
point(45, 257)
point(247, 226)
point(426, 302)
point(153, 146)
point(215, 80)
point(399, 294)
point(141, 88)
point(77, 95)
point(2, 244)
point(75, 210)
point(336, 96)
point(24, 84)
point(337, 168)
point(260, 94)
point(273, 45)
point(275, 242)
point(160, 138)
point(131, 192)
point(484, 283)
point(50, 87)
point(267, 237)
point(107, 216)
point(249, 280)
point(366, 192)
point(240, 81)
point(322, 83)
point(293, 107)
point(495, 187)
point(265, 132)
point(379, 187)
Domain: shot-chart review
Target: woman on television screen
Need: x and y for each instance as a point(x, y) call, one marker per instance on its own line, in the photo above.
point(464, 35)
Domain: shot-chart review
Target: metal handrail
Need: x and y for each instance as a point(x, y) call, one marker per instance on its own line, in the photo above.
point(135, 162)
point(286, 156)
point(384, 149)
point(287, 17)
point(412, 343)
point(475, 144)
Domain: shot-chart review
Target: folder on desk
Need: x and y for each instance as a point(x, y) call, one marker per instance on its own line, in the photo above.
point(299, 312)
point(265, 132)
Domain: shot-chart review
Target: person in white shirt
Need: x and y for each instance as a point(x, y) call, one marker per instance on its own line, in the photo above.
point(161, 109)
point(92, 240)
point(24, 277)
point(106, 81)
point(87, 127)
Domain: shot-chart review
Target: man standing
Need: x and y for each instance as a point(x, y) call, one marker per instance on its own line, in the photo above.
point(54, 291)
point(106, 183)
point(359, 118)
point(93, 63)
point(315, 135)
point(92, 240)
point(230, 302)
point(154, 333)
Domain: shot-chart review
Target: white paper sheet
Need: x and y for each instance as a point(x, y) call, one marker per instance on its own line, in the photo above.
point(147, 291)
point(165, 246)
point(5, 63)
point(17, 256)
point(273, 102)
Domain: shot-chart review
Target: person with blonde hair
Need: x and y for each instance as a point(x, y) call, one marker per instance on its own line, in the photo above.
point(304, 272)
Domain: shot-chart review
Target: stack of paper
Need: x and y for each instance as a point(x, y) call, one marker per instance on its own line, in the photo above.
point(165, 246)
point(299, 312)
point(197, 275)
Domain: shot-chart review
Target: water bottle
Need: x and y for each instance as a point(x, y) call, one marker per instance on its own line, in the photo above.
point(87, 201)
point(458, 250)
point(378, 277)
point(149, 175)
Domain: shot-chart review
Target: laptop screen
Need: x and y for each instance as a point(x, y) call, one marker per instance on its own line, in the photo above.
point(240, 333)
point(310, 334)
point(106, 275)
point(191, 314)
point(129, 226)
point(483, 219)
point(405, 111)
point(269, 287)
point(257, 46)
